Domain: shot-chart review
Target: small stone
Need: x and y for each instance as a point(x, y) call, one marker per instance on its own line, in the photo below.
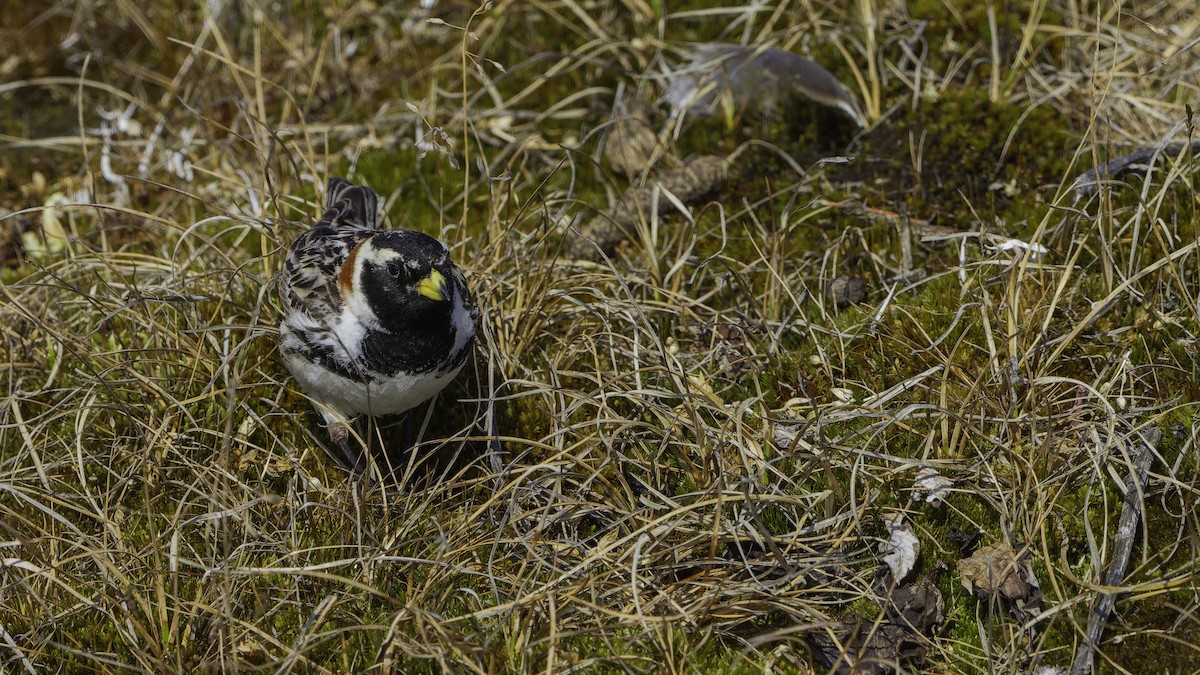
point(846, 290)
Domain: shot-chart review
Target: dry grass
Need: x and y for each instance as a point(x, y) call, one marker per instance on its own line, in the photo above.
point(678, 460)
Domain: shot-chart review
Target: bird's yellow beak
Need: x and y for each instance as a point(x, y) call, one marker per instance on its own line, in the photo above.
point(433, 286)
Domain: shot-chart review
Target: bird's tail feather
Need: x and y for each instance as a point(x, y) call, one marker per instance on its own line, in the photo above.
point(353, 202)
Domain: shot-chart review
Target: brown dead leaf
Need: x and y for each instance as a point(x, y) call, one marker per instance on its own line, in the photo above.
point(918, 605)
point(857, 646)
point(997, 569)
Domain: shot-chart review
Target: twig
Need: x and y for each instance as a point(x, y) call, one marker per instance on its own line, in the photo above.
point(1089, 182)
point(1131, 512)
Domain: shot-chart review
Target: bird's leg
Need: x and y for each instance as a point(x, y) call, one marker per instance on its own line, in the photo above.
point(340, 435)
point(410, 429)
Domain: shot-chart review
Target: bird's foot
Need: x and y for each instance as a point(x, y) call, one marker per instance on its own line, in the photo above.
point(352, 459)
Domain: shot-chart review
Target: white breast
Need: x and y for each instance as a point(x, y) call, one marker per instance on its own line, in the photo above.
point(376, 397)
point(464, 325)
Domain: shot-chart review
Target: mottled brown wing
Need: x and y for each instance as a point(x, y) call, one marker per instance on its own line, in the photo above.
point(316, 257)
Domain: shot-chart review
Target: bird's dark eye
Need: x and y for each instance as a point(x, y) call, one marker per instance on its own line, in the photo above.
point(398, 269)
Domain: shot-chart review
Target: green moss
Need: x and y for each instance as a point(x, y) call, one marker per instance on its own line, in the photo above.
point(964, 156)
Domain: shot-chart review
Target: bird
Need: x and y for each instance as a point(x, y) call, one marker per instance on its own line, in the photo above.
point(374, 322)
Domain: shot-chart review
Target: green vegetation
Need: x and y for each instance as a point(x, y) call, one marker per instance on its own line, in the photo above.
point(682, 459)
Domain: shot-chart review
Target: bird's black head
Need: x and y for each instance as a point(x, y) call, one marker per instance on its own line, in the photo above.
point(407, 280)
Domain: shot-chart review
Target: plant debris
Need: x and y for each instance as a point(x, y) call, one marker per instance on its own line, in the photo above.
point(997, 570)
point(1141, 452)
point(845, 290)
point(1143, 160)
point(744, 76)
point(699, 177)
point(12, 250)
point(934, 485)
point(918, 605)
point(681, 462)
point(859, 646)
point(631, 147)
point(901, 548)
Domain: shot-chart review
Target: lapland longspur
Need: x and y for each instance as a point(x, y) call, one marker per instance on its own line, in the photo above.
point(374, 322)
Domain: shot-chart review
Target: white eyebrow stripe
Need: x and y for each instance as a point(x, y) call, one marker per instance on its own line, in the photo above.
point(377, 255)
